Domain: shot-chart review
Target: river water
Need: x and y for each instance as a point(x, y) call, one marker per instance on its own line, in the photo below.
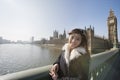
point(18, 57)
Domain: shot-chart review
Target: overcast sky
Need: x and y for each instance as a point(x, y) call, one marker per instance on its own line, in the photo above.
point(21, 19)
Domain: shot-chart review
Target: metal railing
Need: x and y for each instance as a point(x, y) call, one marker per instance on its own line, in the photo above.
point(99, 64)
point(40, 73)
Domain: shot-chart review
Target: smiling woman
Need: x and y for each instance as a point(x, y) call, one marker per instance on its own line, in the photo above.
point(73, 62)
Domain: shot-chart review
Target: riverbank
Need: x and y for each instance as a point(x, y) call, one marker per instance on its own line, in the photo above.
point(53, 46)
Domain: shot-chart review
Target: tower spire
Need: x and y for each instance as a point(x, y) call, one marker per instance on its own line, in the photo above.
point(111, 13)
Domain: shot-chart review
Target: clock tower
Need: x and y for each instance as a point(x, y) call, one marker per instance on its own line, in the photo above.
point(112, 29)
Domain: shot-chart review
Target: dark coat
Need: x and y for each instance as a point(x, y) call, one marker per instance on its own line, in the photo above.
point(74, 64)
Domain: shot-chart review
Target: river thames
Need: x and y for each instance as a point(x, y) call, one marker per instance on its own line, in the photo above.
point(18, 57)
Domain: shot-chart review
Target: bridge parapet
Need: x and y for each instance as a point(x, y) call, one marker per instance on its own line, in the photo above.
point(40, 73)
point(101, 63)
point(99, 66)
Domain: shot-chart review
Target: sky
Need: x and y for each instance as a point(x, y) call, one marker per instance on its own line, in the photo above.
point(22, 19)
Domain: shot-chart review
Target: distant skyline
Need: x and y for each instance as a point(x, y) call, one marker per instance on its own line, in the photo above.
point(22, 19)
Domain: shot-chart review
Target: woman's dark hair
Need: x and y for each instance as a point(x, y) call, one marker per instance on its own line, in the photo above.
point(77, 31)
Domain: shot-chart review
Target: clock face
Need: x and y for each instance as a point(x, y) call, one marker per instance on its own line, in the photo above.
point(111, 21)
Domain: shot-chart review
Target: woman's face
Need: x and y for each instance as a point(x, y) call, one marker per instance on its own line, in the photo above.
point(74, 40)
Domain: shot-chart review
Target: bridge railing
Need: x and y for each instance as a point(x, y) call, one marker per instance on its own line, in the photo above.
point(99, 64)
point(40, 73)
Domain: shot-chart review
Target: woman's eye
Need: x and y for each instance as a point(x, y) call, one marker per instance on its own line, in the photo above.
point(72, 37)
point(78, 39)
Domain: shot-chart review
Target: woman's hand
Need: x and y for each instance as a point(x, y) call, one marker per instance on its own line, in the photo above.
point(53, 71)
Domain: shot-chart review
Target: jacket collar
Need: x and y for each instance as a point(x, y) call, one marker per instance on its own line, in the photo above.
point(75, 53)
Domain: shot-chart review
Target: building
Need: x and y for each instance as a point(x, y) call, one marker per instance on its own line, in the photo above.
point(32, 39)
point(55, 34)
point(112, 28)
point(98, 44)
point(58, 38)
point(1, 40)
point(62, 36)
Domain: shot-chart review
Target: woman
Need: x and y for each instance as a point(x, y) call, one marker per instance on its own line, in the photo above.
point(73, 63)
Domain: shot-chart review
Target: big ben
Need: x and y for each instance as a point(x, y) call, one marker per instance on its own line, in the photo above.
point(112, 29)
